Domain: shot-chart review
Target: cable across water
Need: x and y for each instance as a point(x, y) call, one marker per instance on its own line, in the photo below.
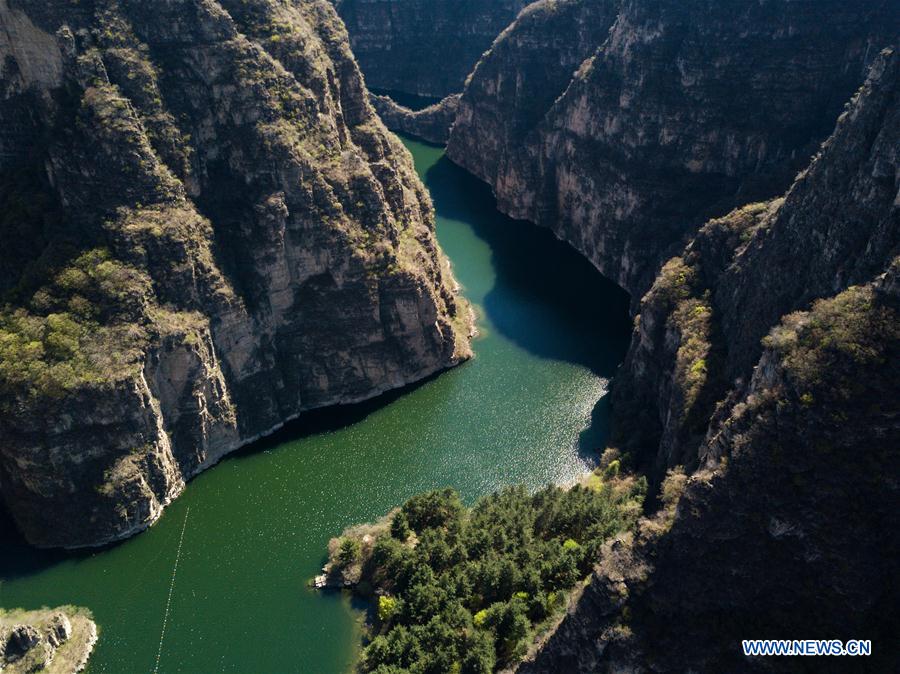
point(162, 635)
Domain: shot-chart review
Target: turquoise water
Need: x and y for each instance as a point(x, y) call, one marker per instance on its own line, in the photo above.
point(256, 526)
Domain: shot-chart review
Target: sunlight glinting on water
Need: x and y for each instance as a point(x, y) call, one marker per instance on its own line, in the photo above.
point(523, 411)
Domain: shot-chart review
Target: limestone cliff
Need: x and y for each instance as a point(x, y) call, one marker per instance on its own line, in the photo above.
point(768, 354)
point(701, 325)
point(423, 47)
point(517, 83)
point(211, 231)
point(431, 124)
point(641, 119)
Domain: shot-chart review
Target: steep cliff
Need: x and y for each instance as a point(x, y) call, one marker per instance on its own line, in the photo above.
point(517, 83)
point(701, 325)
point(679, 112)
point(789, 525)
point(212, 233)
point(423, 47)
point(431, 124)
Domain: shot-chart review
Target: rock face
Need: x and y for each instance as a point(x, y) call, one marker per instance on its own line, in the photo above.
point(431, 124)
point(701, 326)
point(629, 128)
point(423, 47)
point(21, 639)
point(517, 83)
point(211, 232)
point(789, 525)
point(57, 641)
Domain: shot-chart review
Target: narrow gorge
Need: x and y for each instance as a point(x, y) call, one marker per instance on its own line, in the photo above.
point(761, 377)
point(409, 262)
point(249, 533)
point(424, 48)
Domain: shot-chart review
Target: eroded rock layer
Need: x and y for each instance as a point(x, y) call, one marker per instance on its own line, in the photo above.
point(50, 641)
point(431, 124)
point(423, 47)
point(624, 125)
point(210, 232)
point(702, 324)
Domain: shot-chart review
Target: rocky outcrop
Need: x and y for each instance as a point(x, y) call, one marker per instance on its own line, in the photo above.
point(516, 84)
point(788, 526)
point(213, 233)
point(701, 326)
point(57, 641)
point(663, 125)
point(796, 534)
point(431, 124)
point(423, 47)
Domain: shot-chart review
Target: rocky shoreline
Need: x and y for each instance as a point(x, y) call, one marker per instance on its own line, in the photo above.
point(50, 641)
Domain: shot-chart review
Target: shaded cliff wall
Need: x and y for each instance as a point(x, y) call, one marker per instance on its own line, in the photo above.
point(516, 84)
point(431, 124)
point(790, 524)
point(423, 47)
point(218, 233)
point(701, 325)
point(682, 111)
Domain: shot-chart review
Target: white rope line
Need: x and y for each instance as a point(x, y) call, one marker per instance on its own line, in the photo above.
point(171, 588)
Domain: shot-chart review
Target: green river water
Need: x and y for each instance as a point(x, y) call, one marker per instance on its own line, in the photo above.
point(523, 411)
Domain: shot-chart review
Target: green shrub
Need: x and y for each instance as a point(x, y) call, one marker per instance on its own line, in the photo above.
point(77, 329)
point(400, 526)
point(612, 470)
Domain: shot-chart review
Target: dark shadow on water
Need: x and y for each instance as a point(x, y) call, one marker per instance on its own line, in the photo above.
point(547, 297)
point(594, 439)
point(329, 419)
point(20, 559)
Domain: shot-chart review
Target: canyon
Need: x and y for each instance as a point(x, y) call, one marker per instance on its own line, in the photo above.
point(423, 47)
point(212, 233)
point(765, 349)
point(209, 182)
point(655, 116)
point(778, 393)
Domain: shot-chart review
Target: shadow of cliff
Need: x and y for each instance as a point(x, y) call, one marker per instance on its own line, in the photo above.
point(547, 298)
point(329, 419)
point(595, 438)
point(19, 559)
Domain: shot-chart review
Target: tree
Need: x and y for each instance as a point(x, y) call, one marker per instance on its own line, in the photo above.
point(349, 551)
point(478, 653)
point(509, 622)
point(387, 608)
point(400, 527)
point(433, 509)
